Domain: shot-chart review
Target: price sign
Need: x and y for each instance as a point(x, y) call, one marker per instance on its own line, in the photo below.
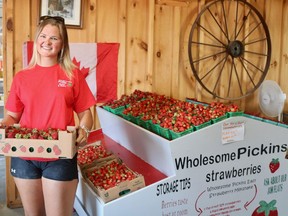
point(232, 131)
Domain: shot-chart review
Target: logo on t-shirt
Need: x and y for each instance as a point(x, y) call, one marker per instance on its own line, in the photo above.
point(64, 83)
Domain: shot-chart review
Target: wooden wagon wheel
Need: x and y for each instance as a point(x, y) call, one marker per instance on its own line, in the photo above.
point(229, 49)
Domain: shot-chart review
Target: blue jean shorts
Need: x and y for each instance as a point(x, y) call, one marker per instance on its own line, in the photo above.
point(60, 169)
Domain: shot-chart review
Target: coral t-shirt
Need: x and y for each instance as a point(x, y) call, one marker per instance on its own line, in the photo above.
point(48, 98)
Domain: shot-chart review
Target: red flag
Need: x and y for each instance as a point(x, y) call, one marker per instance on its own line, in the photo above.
point(106, 71)
point(97, 61)
point(27, 50)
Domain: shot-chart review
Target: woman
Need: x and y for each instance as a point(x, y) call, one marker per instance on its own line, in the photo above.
point(46, 95)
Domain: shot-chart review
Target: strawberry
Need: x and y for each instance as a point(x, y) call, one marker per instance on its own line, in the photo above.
point(6, 148)
point(274, 165)
point(56, 150)
point(10, 134)
point(40, 137)
point(34, 135)
point(23, 148)
point(40, 149)
point(54, 135)
point(266, 209)
point(44, 134)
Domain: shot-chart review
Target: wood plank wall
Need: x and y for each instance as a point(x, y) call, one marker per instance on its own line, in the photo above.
point(153, 37)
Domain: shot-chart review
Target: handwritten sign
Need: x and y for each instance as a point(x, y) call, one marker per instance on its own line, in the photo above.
point(232, 131)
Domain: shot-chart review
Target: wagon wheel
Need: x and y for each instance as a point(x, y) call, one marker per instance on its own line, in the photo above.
point(229, 49)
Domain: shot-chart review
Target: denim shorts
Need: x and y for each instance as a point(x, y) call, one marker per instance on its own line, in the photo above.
point(60, 169)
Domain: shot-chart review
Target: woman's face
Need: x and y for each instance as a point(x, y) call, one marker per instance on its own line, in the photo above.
point(49, 43)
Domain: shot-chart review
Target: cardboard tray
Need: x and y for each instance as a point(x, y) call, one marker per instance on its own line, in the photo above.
point(64, 147)
point(120, 189)
point(92, 160)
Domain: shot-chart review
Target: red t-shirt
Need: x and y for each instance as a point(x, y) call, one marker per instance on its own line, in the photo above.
point(48, 98)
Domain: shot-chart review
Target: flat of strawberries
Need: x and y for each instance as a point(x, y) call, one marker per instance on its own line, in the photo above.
point(110, 174)
point(30, 133)
point(91, 153)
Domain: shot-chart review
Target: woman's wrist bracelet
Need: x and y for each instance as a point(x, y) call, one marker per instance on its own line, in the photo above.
point(85, 129)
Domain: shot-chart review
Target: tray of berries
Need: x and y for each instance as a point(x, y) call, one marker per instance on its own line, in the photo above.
point(113, 179)
point(93, 153)
point(19, 141)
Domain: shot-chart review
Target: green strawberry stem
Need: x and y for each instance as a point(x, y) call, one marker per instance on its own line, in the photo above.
point(266, 207)
point(275, 161)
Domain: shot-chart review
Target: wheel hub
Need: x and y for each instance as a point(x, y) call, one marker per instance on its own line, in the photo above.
point(235, 48)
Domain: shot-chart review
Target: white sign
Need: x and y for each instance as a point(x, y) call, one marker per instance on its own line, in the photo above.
point(232, 131)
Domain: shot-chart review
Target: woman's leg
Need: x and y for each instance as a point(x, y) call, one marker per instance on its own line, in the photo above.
point(59, 182)
point(59, 196)
point(30, 191)
point(27, 178)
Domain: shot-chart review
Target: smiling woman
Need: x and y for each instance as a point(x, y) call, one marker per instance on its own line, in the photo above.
point(40, 184)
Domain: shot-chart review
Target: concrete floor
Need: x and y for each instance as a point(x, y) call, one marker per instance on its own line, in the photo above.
point(3, 208)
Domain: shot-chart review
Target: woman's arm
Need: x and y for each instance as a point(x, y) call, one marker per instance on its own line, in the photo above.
point(11, 118)
point(85, 125)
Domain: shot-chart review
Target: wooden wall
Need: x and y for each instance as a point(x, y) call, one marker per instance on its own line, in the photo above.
point(153, 37)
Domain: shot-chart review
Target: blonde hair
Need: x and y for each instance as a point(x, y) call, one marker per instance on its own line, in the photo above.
point(64, 59)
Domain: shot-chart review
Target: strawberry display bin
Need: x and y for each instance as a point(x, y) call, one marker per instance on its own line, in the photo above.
point(63, 147)
point(235, 166)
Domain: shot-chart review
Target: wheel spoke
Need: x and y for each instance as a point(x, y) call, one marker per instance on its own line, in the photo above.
point(218, 78)
point(235, 29)
point(255, 53)
point(206, 44)
point(237, 76)
point(255, 41)
point(230, 78)
point(225, 34)
point(245, 18)
point(206, 57)
point(216, 65)
point(210, 33)
point(247, 72)
point(244, 59)
point(225, 20)
point(251, 31)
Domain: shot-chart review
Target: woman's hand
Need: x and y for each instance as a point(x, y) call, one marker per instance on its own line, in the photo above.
point(86, 123)
point(82, 137)
point(10, 118)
